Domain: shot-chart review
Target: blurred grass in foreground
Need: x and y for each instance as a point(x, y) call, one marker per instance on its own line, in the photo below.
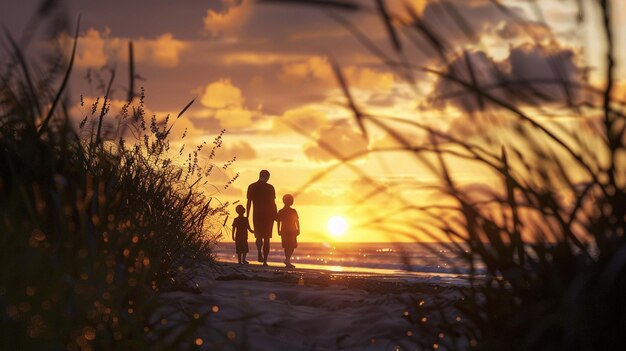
point(545, 237)
point(92, 227)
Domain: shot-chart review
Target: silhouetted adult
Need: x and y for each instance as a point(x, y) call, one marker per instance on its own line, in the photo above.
point(261, 196)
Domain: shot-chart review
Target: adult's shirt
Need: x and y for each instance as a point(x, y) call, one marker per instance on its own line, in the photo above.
point(262, 196)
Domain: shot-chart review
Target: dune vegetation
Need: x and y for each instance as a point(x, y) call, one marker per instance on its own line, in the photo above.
point(544, 238)
point(94, 221)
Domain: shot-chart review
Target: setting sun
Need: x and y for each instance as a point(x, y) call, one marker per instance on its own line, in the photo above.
point(337, 226)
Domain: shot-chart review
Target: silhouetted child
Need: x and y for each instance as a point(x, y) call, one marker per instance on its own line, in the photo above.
point(288, 228)
point(240, 234)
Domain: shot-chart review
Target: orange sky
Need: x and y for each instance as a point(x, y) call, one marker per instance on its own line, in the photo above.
point(257, 69)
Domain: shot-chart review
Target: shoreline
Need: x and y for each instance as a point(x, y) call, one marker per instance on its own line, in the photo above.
point(413, 262)
point(406, 276)
point(371, 282)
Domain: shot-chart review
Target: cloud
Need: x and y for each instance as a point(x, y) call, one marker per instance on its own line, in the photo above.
point(91, 49)
point(317, 69)
point(231, 191)
point(267, 35)
point(181, 126)
point(222, 94)
point(242, 150)
point(540, 62)
point(485, 71)
point(263, 58)
point(386, 141)
point(381, 100)
point(367, 78)
point(340, 137)
point(234, 13)
point(97, 48)
point(305, 118)
point(239, 18)
point(225, 102)
point(312, 68)
point(164, 51)
point(282, 47)
point(530, 74)
point(235, 117)
point(480, 16)
point(534, 30)
point(205, 121)
point(481, 125)
point(317, 196)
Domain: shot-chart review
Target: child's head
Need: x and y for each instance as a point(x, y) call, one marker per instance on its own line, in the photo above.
point(240, 209)
point(288, 200)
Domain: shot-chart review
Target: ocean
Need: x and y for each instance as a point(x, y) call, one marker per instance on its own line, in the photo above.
point(409, 261)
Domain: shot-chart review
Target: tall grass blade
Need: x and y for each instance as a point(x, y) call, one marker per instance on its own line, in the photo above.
point(358, 116)
point(25, 70)
point(131, 71)
point(66, 78)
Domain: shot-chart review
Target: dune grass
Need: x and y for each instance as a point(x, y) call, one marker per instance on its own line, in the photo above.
point(93, 224)
point(544, 239)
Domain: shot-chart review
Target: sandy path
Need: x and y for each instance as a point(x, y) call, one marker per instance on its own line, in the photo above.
point(259, 308)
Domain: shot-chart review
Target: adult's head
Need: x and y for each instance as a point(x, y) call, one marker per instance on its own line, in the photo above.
point(264, 175)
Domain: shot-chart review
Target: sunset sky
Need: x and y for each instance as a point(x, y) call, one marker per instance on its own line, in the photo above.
point(256, 69)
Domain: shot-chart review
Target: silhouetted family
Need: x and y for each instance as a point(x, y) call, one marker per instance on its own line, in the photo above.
point(261, 198)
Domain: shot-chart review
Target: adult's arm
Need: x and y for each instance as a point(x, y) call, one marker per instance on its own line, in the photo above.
point(275, 209)
point(248, 212)
point(249, 203)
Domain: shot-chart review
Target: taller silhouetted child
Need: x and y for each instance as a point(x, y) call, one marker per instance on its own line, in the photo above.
point(288, 228)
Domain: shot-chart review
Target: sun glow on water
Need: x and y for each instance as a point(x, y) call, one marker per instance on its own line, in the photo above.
point(337, 226)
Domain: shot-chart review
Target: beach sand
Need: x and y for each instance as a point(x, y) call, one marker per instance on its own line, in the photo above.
point(250, 307)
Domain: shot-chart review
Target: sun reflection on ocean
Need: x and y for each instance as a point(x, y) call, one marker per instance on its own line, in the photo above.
point(335, 268)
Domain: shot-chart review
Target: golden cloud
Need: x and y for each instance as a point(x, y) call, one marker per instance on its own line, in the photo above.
point(240, 149)
point(399, 7)
point(341, 138)
point(305, 118)
point(164, 51)
point(96, 48)
point(367, 78)
point(318, 68)
point(235, 117)
point(260, 59)
point(319, 196)
point(222, 94)
point(225, 102)
point(218, 23)
point(90, 51)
